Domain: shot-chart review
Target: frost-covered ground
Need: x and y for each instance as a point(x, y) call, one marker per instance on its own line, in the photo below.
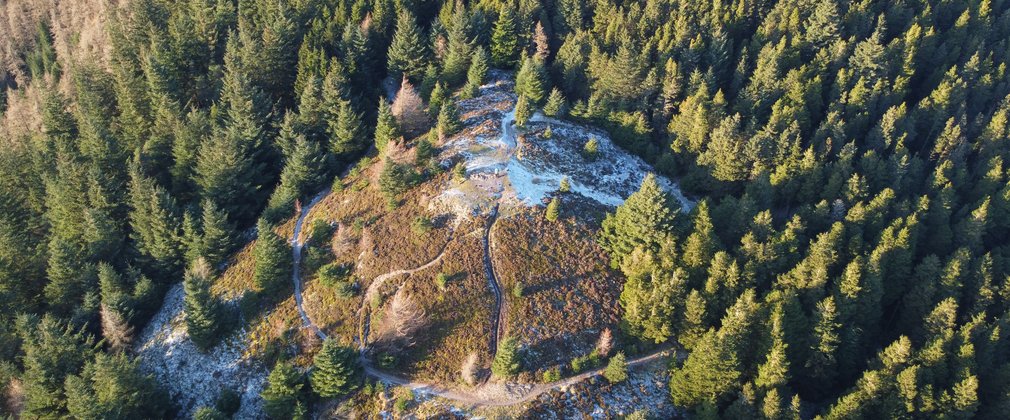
point(521, 167)
point(195, 379)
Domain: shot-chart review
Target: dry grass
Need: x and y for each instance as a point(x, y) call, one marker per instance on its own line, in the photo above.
point(569, 294)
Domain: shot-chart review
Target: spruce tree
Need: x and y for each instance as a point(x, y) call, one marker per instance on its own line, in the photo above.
point(555, 106)
point(524, 110)
point(335, 370)
point(283, 391)
point(531, 80)
point(203, 311)
point(113, 386)
point(617, 369)
point(643, 220)
point(506, 362)
point(273, 261)
point(448, 121)
point(553, 210)
point(347, 137)
point(408, 53)
point(505, 39)
point(217, 241)
point(702, 244)
point(476, 74)
point(386, 127)
point(52, 350)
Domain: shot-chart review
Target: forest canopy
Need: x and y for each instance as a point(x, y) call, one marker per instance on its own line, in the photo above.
point(848, 257)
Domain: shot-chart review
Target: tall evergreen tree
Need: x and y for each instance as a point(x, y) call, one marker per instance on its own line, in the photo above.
point(408, 53)
point(505, 48)
point(335, 370)
point(273, 260)
point(643, 220)
point(204, 314)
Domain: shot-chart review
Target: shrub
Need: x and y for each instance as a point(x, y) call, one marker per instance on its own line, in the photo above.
point(459, 171)
point(552, 375)
point(585, 362)
point(548, 133)
point(518, 289)
point(320, 232)
point(404, 400)
point(338, 277)
point(565, 185)
point(591, 148)
point(441, 280)
point(421, 225)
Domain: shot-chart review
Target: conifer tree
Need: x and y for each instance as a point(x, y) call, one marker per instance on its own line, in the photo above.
point(459, 48)
point(347, 137)
point(702, 244)
point(448, 120)
point(52, 350)
point(524, 110)
point(112, 386)
point(335, 370)
point(218, 237)
point(203, 311)
point(476, 74)
point(643, 220)
point(553, 210)
point(617, 369)
point(531, 80)
point(283, 391)
point(555, 106)
point(505, 39)
point(408, 53)
point(506, 361)
point(437, 98)
point(386, 127)
point(273, 260)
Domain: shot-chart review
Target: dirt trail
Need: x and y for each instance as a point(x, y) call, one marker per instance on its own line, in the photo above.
point(297, 244)
point(489, 272)
point(364, 314)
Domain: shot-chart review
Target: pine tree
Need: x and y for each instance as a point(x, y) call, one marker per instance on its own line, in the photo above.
point(702, 244)
point(154, 223)
point(203, 311)
point(386, 127)
point(273, 261)
point(408, 53)
point(555, 106)
point(506, 362)
point(553, 210)
point(283, 391)
point(476, 74)
point(448, 121)
point(531, 80)
point(643, 220)
point(505, 39)
point(524, 110)
point(335, 370)
point(617, 369)
point(347, 137)
point(217, 241)
point(113, 386)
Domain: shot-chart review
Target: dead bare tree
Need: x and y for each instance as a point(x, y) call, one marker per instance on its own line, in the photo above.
point(605, 343)
point(408, 108)
point(469, 370)
point(117, 332)
point(403, 320)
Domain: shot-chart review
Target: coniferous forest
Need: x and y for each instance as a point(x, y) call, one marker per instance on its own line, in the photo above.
point(848, 256)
